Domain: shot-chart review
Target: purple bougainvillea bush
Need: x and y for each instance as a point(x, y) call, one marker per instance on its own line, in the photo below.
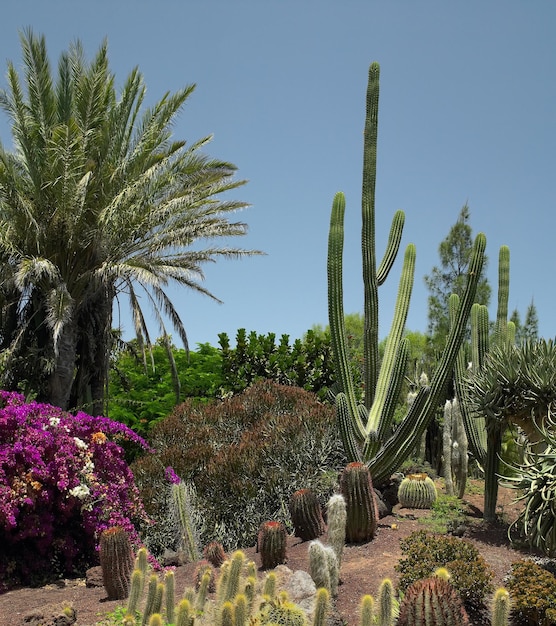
point(63, 480)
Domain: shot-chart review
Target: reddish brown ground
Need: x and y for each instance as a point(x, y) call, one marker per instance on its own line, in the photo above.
point(363, 566)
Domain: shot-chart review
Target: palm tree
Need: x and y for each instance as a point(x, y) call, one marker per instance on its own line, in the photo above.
point(97, 201)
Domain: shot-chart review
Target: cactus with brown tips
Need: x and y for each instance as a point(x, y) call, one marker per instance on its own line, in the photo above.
point(306, 514)
point(271, 544)
point(361, 506)
point(116, 561)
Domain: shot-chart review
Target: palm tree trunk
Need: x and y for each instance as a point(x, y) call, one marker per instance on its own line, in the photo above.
point(61, 379)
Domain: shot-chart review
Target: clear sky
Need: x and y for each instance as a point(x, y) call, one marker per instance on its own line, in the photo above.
point(467, 114)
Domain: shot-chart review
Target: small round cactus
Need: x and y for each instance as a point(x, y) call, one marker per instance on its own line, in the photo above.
point(271, 544)
point(417, 491)
point(214, 553)
point(306, 514)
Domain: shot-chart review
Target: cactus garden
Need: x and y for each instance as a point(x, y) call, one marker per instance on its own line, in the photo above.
point(301, 489)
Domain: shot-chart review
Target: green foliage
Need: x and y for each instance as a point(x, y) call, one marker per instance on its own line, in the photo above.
point(140, 395)
point(245, 455)
point(424, 553)
point(307, 363)
point(450, 277)
point(533, 594)
point(447, 514)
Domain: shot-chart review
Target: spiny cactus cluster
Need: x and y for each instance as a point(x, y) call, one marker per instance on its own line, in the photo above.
point(417, 491)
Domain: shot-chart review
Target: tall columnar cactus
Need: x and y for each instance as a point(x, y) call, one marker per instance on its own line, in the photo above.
point(387, 603)
point(306, 514)
point(361, 505)
point(271, 544)
point(484, 433)
point(116, 561)
point(170, 584)
point(366, 431)
point(181, 507)
point(336, 513)
point(323, 567)
point(417, 491)
point(455, 462)
point(432, 602)
point(322, 602)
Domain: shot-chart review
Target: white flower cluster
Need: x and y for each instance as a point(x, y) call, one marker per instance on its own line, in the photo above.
point(81, 492)
point(80, 443)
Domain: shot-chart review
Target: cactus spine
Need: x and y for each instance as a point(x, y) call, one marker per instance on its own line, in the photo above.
point(116, 561)
point(337, 516)
point(271, 544)
point(361, 506)
point(484, 433)
point(366, 611)
point(366, 431)
point(387, 604)
point(417, 491)
point(306, 514)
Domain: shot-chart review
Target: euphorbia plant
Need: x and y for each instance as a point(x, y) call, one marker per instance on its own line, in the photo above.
point(63, 480)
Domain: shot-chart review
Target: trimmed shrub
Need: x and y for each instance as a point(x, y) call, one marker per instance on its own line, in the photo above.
point(533, 594)
point(245, 456)
point(424, 553)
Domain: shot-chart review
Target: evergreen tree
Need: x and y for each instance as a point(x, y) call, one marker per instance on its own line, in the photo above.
point(450, 277)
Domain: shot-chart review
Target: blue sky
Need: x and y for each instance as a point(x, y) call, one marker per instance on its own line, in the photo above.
point(467, 114)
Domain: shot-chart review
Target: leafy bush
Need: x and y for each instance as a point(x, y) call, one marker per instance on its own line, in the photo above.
point(141, 396)
point(63, 480)
point(471, 576)
point(246, 455)
point(533, 593)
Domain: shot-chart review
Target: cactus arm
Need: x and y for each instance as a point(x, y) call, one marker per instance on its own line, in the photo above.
point(500, 332)
point(370, 284)
point(375, 438)
point(391, 252)
point(335, 303)
point(347, 426)
point(400, 444)
point(394, 338)
point(475, 426)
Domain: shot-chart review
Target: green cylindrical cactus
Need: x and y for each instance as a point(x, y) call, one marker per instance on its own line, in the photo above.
point(361, 505)
point(432, 602)
point(366, 611)
point(214, 553)
point(170, 584)
point(241, 609)
point(271, 544)
point(182, 508)
point(234, 575)
point(184, 617)
point(269, 587)
point(322, 601)
point(417, 491)
point(386, 603)
point(151, 602)
point(337, 516)
point(116, 561)
point(227, 614)
point(155, 620)
point(135, 591)
point(250, 590)
point(501, 607)
point(206, 585)
point(306, 514)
